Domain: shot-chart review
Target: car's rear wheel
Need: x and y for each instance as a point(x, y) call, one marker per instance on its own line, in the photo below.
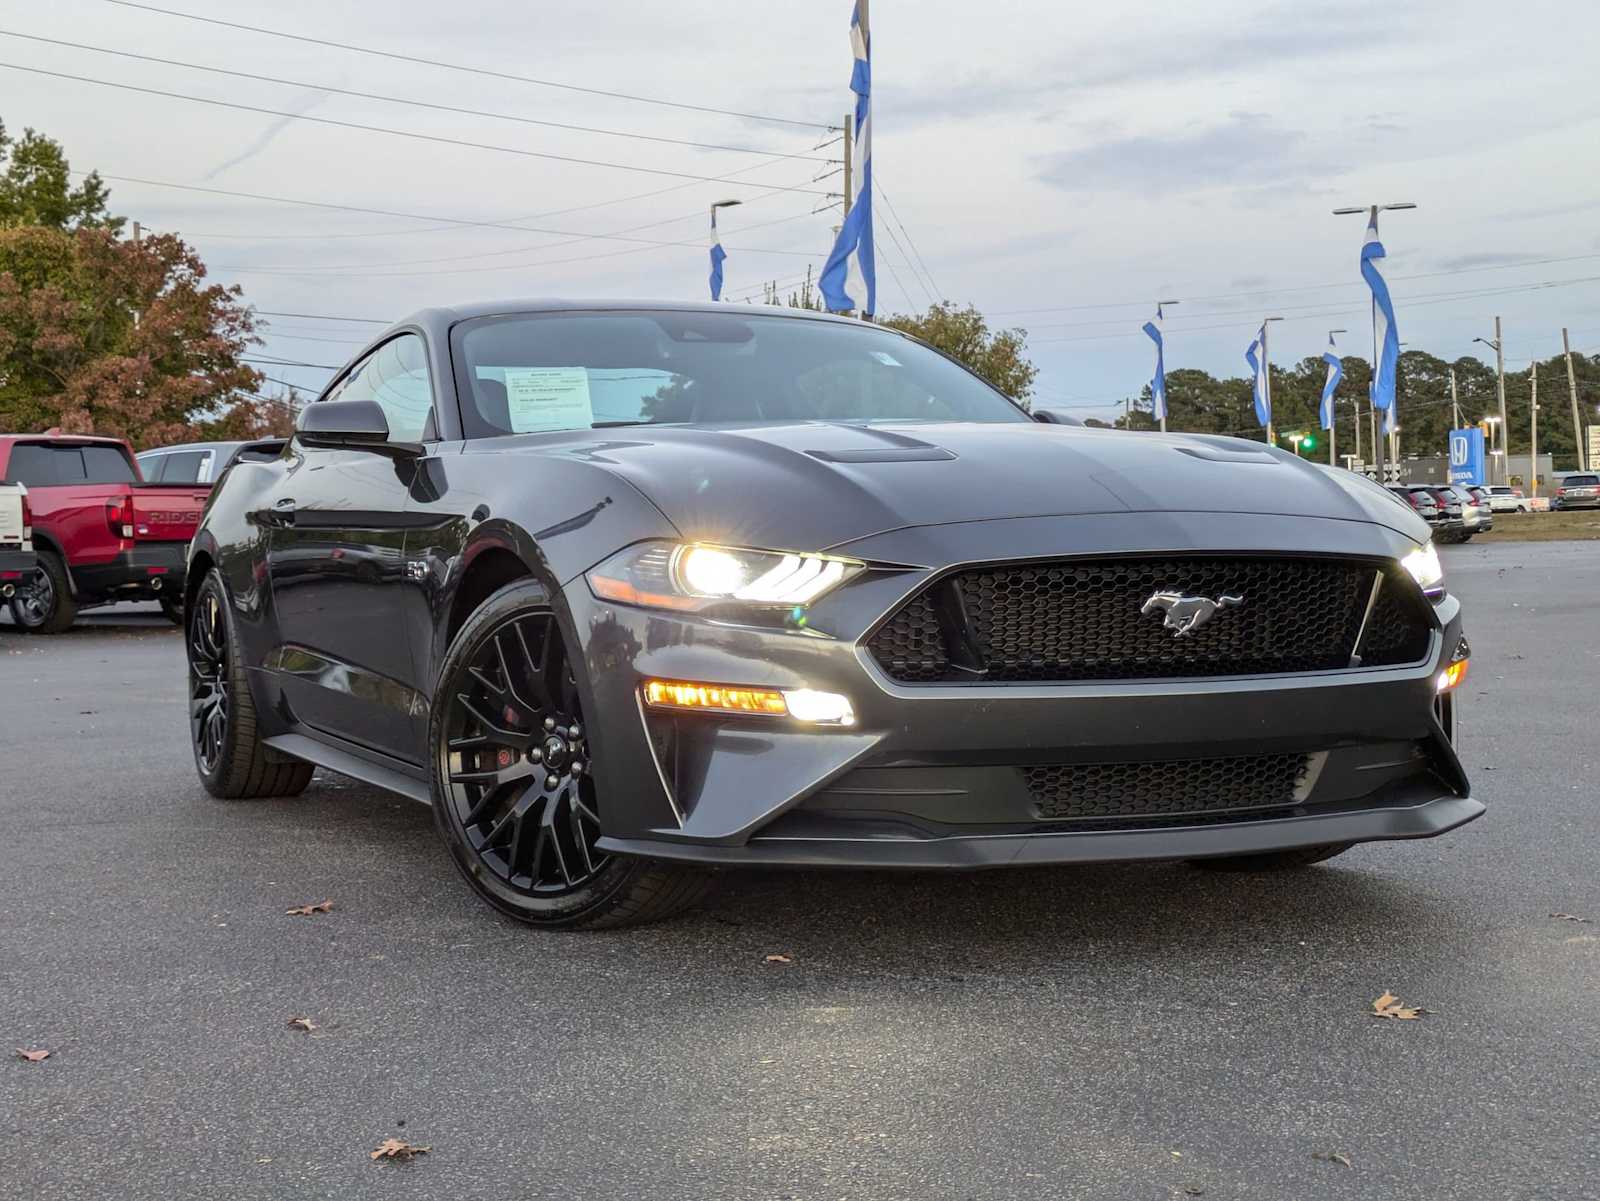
point(232, 761)
point(43, 602)
point(1274, 861)
point(515, 795)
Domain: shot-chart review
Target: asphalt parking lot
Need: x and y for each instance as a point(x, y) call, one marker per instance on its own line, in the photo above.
point(1115, 1032)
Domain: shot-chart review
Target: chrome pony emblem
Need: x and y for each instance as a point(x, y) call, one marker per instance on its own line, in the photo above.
point(1184, 613)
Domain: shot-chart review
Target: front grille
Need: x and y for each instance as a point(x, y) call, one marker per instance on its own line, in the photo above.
point(1083, 620)
point(1078, 791)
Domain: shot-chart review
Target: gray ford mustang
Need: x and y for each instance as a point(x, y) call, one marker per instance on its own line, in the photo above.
point(627, 591)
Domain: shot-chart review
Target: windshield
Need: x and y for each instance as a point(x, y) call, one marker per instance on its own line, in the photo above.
point(526, 373)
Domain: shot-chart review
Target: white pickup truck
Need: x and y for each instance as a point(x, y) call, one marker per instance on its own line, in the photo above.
point(16, 537)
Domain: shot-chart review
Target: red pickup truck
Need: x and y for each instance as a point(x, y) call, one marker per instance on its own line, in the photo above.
point(100, 532)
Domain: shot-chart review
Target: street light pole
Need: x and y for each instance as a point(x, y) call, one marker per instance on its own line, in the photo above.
point(1333, 416)
point(1160, 320)
point(1372, 211)
point(1266, 368)
point(1500, 384)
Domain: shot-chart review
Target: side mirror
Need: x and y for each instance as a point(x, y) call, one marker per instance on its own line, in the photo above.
point(349, 424)
point(1055, 417)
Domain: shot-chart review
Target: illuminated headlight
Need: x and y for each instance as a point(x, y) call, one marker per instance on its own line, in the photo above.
point(692, 575)
point(1424, 566)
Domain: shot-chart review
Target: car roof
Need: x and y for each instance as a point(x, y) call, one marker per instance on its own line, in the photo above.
point(164, 450)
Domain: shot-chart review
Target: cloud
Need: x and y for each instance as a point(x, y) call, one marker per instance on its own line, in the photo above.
point(266, 137)
point(1248, 149)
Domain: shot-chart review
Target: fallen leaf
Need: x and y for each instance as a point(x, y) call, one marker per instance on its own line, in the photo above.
point(33, 1056)
point(302, 1024)
point(1332, 1157)
point(1388, 1006)
point(1194, 1191)
point(397, 1148)
point(1568, 917)
point(780, 959)
point(308, 910)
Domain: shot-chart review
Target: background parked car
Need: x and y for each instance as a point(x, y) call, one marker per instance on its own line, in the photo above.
point(16, 538)
point(1431, 508)
point(1578, 492)
point(1476, 516)
point(203, 462)
point(101, 534)
point(1503, 498)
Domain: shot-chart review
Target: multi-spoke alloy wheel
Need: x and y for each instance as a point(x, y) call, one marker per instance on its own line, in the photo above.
point(233, 761)
point(518, 760)
point(517, 797)
point(43, 602)
point(208, 682)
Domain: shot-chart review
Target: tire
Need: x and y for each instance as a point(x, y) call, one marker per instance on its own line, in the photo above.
point(523, 776)
point(229, 755)
point(1273, 861)
point(171, 608)
point(48, 607)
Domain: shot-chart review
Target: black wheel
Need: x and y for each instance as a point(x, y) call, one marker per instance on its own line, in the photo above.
point(515, 795)
point(1274, 861)
point(43, 602)
point(171, 608)
point(232, 762)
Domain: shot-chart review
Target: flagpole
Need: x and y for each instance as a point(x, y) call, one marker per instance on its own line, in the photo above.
point(1372, 211)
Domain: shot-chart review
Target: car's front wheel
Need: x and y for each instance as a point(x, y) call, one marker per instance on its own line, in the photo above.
point(233, 762)
point(515, 795)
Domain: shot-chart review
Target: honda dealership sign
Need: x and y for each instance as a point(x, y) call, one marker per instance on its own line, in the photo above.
point(1466, 456)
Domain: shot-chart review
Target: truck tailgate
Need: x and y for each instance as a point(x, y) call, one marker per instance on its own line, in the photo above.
point(167, 512)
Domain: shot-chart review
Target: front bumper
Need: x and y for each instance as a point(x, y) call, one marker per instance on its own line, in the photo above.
point(930, 775)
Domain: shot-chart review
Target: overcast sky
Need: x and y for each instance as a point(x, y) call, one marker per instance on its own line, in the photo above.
point(1059, 165)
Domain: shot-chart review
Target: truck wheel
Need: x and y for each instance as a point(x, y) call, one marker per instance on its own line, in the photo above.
point(44, 604)
point(228, 753)
point(515, 791)
point(1273, 861)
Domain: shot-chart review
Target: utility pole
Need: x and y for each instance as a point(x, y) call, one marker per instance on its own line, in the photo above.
point(1572, 391)
point(849, 154)
point(1355, 413)
point(1533, 415)
point(1500, 384)
point(1455, 403)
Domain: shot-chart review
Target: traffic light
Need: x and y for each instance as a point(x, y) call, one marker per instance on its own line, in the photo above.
point(1309, 442)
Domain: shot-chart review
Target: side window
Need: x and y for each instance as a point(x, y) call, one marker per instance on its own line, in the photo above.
point(396, 376)
point(184, 467)
point(150, 467)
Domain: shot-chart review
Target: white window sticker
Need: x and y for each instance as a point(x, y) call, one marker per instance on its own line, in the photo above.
point(548, 398)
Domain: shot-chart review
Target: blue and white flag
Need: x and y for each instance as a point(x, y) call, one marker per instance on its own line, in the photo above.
point(1385, 337)
point(1256, 356)
point(717, 256)
point(849, 278)
point(1335, 374)
point(1158, 385)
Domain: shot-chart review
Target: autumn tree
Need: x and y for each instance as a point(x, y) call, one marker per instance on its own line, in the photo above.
point(962, 333)
point(103, 334)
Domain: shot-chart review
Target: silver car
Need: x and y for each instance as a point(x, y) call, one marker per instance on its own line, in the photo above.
point(1503, 498)
point(1578, 492)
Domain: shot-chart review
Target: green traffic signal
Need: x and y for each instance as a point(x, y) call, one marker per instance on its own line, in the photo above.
point(1309, 442)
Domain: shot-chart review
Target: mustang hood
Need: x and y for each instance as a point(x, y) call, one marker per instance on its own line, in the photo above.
point(815, 485)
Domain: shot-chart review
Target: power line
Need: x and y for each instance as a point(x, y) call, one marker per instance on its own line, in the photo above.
point(444, 108)
point(351, 208)
point(484, 71)
point(1127, 304)
point(914, 249)
point(616, 235)
point(256, 358)
point(398, 133)
point(324, 317)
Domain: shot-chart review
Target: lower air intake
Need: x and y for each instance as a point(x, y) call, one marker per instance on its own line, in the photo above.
point(1079, 791)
